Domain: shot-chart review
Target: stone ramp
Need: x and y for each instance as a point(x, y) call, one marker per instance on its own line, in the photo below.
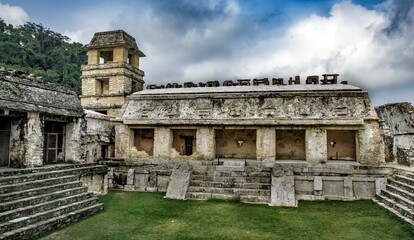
point(36, 200)
point(398, 196)
point(231, 179)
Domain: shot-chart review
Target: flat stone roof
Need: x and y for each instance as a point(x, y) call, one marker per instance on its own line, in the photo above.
point(250, 89)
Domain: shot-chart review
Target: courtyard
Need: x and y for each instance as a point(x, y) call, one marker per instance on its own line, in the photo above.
point(138, 215)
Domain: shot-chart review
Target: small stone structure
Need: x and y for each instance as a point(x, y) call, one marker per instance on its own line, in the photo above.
point(40, 122)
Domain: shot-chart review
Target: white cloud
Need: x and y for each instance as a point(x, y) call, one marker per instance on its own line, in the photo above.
point(14, 15)
point(215, 40)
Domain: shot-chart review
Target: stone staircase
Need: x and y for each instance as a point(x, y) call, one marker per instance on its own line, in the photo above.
point(230, 179)
point(36, 200)
point(398, 196)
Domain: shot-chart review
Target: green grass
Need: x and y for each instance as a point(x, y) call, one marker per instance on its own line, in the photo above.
point(135, 215)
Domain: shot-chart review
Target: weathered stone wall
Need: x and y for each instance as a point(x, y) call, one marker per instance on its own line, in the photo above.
point(313, 110)
point(75, 144)
point(99, 134)
point(398, 125)
point(329, 181)
point(17, 146)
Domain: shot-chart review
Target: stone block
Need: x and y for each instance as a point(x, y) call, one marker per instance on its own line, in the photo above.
point(303, 187)
point(364, 190)
point(283, 191)
point(162, 182)
point(348, 189)
point(283, 186)
point(141, 181)
point(317, 183)
point(380, 184)
point(179, 181)
point(333, 188)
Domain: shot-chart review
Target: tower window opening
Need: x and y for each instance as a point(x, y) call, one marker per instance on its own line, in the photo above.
point(102, 86)
point(106, 57)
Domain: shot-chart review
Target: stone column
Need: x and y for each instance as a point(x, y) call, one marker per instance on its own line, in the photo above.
point(316, 151)
point(206, 143)
point(123, 140)
point(75, 141)
point(162, 142)
point(33, 139)
point(370, 144)
point(266, 144)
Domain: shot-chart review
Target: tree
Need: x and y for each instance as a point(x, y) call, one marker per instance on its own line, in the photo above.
point(35, 48)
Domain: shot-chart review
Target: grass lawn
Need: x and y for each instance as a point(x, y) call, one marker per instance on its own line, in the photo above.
point(136, 215)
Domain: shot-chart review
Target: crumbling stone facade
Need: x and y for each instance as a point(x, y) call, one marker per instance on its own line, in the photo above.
point(99, 137)
point(397, 121)
point(236, 134)
point(41, 123)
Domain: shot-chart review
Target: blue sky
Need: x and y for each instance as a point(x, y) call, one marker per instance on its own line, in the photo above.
point(368, 42)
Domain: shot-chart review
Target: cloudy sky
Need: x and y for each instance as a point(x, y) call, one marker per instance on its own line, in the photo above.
point(370, 43)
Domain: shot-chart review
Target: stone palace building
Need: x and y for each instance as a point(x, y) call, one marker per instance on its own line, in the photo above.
point(268, 140)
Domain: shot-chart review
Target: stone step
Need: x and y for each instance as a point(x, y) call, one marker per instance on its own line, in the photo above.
point(197, 195)
point(43, 206)
point(44, 215)
point(409, 175)
point(6, 206)
point(235, 191)
point(38, 228)
point(21, 171)
point(209, 163)
point(9, 180)
point(224, 196)
point(401, 185)
point(404, 179)
point(232, 162)
point(252, 192)
point(38, 191)
point(399, 210)
point(36, 184)
point(265, 186)
point(204, 196)
point(230, 168)
point(255, 199)
point(399, 199)
point(242, 180)
point(202, 178)
point(400, 192)
point(198, 189)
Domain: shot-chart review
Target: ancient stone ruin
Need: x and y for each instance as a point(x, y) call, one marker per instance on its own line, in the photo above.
point(265, 140)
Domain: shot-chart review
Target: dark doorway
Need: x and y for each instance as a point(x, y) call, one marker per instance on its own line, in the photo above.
point(188, 145)
point(104, 152)
point(53, 141)
point(5, 126)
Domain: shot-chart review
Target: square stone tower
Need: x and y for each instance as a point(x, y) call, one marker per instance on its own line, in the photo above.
point(112, 72)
